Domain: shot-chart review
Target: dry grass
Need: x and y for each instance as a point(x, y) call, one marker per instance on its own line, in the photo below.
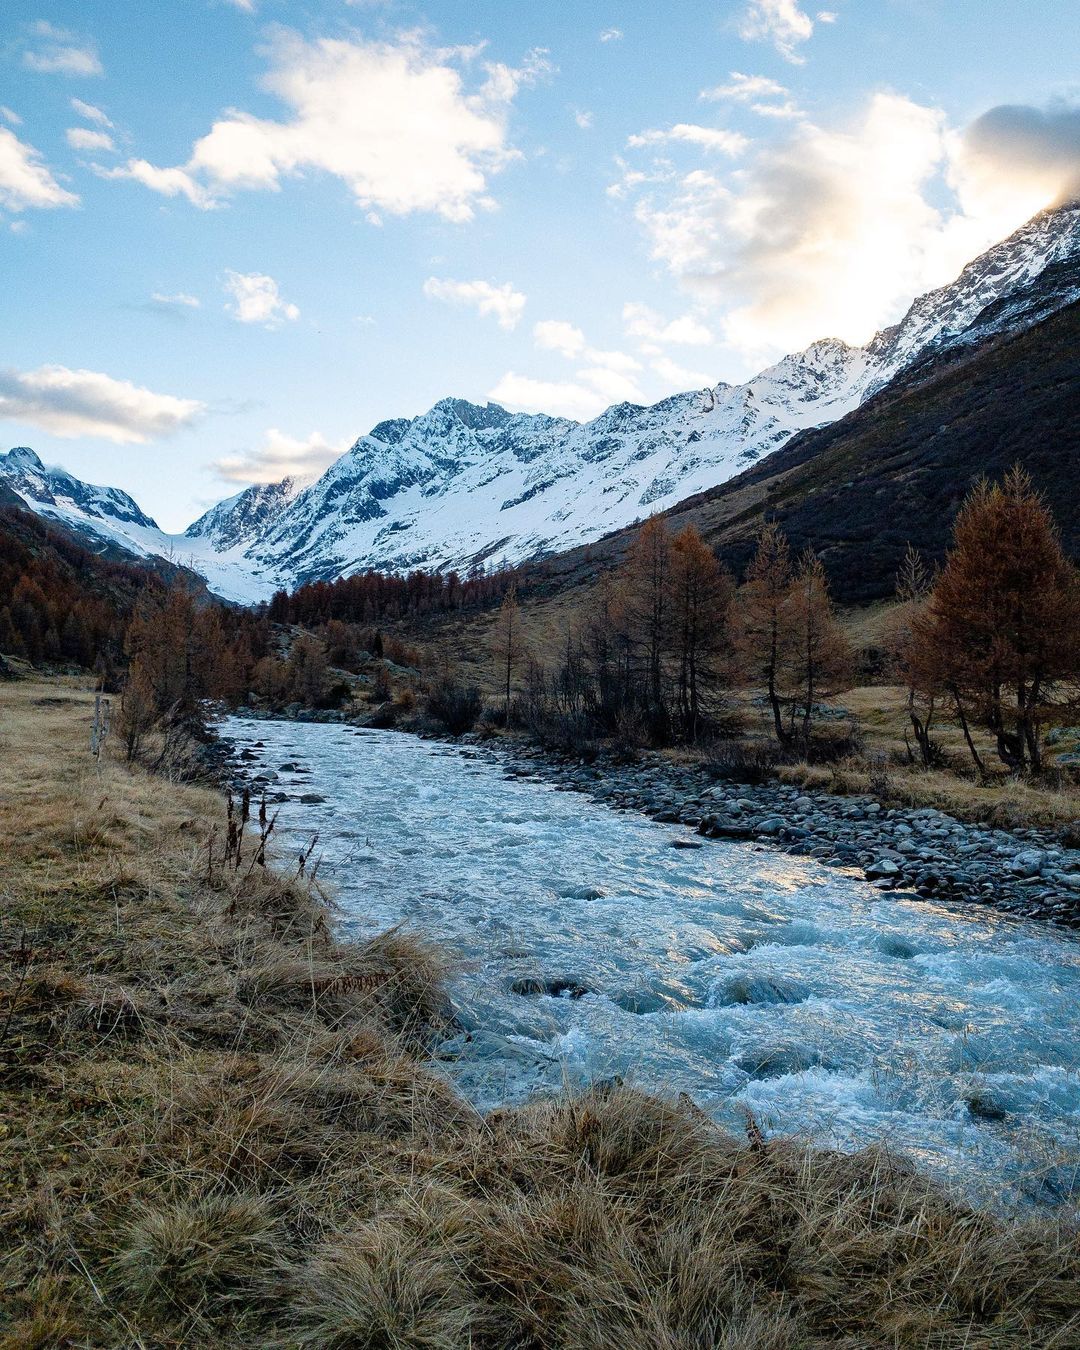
point(218, 1128)
point(879, 711)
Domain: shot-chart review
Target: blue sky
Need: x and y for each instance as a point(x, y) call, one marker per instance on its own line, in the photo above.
point(235, 234)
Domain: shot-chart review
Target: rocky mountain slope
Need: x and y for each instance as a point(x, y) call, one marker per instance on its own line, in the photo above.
point(463, 485)
point(896, 469)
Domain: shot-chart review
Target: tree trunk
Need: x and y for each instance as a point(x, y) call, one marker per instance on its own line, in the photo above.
point(962, 718)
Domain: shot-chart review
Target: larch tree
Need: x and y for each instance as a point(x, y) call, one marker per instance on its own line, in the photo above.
point(508, 645)
point(1001, 630)
point(308, 668)
point(164, 652)
point(700, 602)
point(918, 668)
point(763, 619)
point(645, 594)
point(821, 660)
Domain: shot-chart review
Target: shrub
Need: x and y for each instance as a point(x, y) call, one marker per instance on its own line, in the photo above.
point(742, 761)
point(456, 706)
point(842, 741)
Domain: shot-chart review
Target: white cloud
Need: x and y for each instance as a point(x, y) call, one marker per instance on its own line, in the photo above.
point(397, 122)
point(58, 52)
point(10, 116)
point(83, 138)
point(611, 35)
point(168, 182)
point(709, 138)
point(86, 403)
point(256, 299)
point(248, 6)
point(742, 88)
point(639, 321)
point(780, 22)
point(826, 16)
point(556, 335)
point(583, 118)
point(560, 398)
point(502, 303)
point(766, 97)
point(180, 300)
point(281, 457)
point(603, 377)
point(25, 180)
point(678, 377)
point(1015, 151)
point(832, 231)
point(91, 113)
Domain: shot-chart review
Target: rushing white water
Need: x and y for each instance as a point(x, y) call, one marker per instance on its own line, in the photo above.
point(735, 973)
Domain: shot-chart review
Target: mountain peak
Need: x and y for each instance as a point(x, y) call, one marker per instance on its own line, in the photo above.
point(242, 518)
point(21, 456)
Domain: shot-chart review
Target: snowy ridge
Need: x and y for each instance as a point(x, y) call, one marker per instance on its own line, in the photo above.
point(106, 518)
point(463, 484)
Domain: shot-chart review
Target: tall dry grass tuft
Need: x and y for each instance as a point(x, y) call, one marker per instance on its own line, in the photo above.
point(196, 1256)
point(219, 1127)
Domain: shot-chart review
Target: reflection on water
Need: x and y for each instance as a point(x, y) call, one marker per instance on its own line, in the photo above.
point(741, 976)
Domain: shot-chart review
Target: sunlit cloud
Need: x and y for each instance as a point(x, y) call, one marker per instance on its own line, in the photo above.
point(255, 298)
point(766, 97)
point(640, 321)
point(780, 22)
point(406, 126)
point(167, 182)
point(707, 138)
point(75, 403)
point(829, 232)
point(281, 456)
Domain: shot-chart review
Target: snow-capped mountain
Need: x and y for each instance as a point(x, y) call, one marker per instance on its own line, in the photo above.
point(107, 520)
point(462, 484)
point(55, 492)
point(245, 517)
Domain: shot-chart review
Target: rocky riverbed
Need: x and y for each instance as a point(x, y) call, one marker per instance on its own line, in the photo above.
point(919, 851)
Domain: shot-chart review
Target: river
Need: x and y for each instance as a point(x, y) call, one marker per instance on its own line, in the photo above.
point(588, 946)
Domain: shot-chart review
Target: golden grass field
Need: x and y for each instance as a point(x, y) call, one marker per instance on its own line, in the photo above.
point(219, 1127)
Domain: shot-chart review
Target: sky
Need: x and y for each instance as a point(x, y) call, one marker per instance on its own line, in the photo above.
point(236, 234)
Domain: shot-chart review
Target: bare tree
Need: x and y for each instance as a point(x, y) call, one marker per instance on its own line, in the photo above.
point(821, 662)
point(763, 619)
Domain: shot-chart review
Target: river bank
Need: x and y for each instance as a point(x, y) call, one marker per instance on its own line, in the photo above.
point(595, 945)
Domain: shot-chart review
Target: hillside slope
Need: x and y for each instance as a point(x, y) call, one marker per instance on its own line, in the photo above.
point(896, 470)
